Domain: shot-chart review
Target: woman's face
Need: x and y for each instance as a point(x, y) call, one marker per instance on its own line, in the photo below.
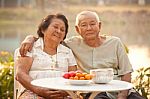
point(55, 31)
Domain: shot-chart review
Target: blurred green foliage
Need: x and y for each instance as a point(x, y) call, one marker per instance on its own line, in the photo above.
point(142, 81)
point(6, 75)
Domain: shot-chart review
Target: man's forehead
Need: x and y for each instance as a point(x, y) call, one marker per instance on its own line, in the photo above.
point(87, 16)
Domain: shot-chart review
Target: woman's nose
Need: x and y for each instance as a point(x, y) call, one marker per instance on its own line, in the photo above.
point(58, 31)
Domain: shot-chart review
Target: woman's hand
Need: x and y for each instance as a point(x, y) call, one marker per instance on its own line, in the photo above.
point(59, 94)
point(51, 94)
point(54, 95)
point(27, 45)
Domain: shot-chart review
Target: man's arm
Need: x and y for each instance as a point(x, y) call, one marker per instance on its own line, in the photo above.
point(125, 68)
point(27, 45)
point(123, 94)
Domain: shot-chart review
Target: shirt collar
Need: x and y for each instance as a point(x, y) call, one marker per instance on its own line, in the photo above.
point(40, 44)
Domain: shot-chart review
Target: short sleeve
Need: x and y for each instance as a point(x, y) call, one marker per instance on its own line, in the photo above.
point(123, 60)
point(17, 54)
point(71, 59)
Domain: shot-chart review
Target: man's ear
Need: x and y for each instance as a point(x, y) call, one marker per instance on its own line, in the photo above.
point(77, 29)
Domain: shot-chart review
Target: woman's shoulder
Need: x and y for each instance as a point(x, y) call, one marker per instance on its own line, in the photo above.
point(38, 43)
point(61, 48)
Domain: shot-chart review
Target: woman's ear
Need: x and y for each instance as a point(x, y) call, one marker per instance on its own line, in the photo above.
point(99, 25)
point(42, 32)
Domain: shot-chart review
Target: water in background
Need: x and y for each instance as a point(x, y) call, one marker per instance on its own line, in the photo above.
point(139, 56)
point(9, 44)
point(130, 25)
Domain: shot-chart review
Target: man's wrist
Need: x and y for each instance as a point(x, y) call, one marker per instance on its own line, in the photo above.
point(123, 93)
point(29, 38)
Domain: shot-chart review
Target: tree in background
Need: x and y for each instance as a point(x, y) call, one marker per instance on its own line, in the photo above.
point(40, 4)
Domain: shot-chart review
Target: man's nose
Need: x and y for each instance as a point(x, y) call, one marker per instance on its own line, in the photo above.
point(88, 27)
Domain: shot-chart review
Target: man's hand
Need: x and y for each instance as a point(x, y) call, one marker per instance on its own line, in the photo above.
point(27, 45)
point(122, 95)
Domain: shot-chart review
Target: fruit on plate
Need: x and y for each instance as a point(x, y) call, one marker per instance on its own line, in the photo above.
point(66, 75)
point(77, 75)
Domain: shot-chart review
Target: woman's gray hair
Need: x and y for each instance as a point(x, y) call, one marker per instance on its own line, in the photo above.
point(85, 13)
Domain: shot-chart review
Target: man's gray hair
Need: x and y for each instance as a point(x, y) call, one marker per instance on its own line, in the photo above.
point(84, 13)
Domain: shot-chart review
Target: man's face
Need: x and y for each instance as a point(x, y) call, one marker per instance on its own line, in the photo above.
point(88, 26)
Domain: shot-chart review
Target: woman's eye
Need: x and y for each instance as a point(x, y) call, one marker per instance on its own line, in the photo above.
point(56, 27)
point(62, 30)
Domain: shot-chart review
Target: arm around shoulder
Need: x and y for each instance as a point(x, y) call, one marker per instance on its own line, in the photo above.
point(27, 44)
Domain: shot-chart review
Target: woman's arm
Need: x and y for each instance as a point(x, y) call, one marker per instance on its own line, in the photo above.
point(23, 65)
point(71, 62)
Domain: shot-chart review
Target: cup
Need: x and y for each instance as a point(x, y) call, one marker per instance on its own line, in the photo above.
point(104, 75)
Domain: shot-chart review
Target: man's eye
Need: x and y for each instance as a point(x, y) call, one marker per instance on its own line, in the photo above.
point(83, 25)
point(92, 24)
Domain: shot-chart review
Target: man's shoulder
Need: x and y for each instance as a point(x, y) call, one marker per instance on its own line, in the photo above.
point(74, 39)
point(113, 38)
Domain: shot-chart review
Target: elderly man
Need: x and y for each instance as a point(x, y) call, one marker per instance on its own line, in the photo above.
point(93, 51)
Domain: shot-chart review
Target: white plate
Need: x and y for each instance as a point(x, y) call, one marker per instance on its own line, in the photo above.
point(79, 82)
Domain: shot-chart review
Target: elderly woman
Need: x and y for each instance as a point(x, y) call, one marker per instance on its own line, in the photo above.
point(48, 58)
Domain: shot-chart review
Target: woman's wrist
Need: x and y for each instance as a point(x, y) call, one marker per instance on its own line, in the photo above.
point(39, 91)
